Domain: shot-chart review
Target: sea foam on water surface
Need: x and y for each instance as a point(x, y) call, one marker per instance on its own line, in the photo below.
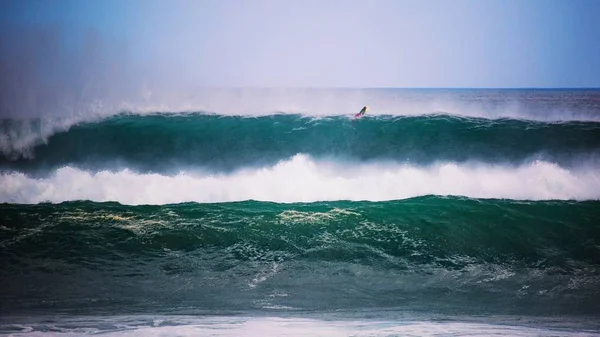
point(303, 179)
point(283, 326)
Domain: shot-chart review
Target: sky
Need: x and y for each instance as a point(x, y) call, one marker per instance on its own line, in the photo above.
point(115, 47)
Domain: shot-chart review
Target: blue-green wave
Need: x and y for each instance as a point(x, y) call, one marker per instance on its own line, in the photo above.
point(428, 253)
point(170, 142)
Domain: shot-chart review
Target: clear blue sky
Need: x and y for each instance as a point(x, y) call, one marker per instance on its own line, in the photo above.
point(332, 43)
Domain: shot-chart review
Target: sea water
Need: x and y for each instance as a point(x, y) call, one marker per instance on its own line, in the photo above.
point(440, 212)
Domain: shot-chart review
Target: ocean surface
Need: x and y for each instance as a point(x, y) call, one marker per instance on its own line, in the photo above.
point(439, 213)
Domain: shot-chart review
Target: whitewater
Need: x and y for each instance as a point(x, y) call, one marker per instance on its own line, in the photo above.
point(301, 179)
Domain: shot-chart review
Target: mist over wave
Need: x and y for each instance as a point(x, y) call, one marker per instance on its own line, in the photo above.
point(19, 136)
point(25, 126)
point(303, 179)
point(528, 104)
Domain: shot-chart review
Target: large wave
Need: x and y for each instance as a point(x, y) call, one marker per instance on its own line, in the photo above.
point(165, 143)
point(20, 132)
point(448, 255)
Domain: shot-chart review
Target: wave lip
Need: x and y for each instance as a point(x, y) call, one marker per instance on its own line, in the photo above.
point(303, 179)
point(22, 130)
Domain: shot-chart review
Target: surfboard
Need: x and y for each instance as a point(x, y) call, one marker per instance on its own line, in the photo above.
point(362, 112)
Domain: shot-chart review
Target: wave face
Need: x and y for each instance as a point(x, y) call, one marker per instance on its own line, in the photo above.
point(430, 253)
point(166, 143)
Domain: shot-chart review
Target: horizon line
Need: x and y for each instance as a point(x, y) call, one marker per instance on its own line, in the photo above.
point(403, 88)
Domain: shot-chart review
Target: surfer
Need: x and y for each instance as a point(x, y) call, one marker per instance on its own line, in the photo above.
point(362, 112)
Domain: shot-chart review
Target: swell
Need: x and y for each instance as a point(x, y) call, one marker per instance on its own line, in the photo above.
point(421, 230)
point(441, 253)
point(169, 142)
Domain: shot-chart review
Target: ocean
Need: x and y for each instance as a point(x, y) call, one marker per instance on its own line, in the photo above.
point(441, 212)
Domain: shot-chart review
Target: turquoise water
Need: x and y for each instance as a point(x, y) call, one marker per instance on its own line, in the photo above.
point(453, 255)
point(397, 223)
point(165, 143)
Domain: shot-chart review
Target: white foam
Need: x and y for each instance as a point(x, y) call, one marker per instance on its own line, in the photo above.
point(302, 179)
point(292, 326)
point(19, 136)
